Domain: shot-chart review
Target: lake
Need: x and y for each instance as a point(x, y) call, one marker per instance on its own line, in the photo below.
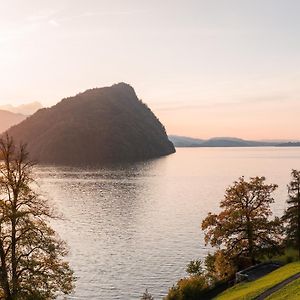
point(137, 226)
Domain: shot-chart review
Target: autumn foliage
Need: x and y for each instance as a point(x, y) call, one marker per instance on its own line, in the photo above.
point(243, 227)
point(31, 253)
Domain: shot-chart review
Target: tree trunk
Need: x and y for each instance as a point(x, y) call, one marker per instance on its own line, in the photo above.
point(14, 259)
point(298, 229)
point(3, 275)
point(250, 241)
point(14, 277)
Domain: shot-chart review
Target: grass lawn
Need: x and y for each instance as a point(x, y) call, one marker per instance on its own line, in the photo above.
point(289, 292)
point(249, 290)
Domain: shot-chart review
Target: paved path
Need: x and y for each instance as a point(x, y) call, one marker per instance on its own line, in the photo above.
point(277, 287)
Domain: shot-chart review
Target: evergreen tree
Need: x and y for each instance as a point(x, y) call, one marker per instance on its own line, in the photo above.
point(292, 214)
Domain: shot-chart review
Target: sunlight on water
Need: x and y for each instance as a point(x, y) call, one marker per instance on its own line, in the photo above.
point(135, 227)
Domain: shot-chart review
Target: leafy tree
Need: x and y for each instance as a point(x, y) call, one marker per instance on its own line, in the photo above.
point(292, 213)
point(195, 267)
point(243, 227)
point(219, 266)
point(31, 254)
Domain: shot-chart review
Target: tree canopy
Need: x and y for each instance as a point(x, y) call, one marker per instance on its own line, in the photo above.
point(243, 227)
point(31, 253)
point(292, 214)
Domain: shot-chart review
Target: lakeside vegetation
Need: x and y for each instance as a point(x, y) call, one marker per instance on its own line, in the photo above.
point(32, 255)
point(244, 222)
point(245, 234)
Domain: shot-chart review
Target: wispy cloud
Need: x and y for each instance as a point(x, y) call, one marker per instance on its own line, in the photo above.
point(54, 23)
point(112, 13)
point(52, 18)
point(56, 18)
point(242, 101)
point(41, 16)
point(89, 14)
point(21, 29)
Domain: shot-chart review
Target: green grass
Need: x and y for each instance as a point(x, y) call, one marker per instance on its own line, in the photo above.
point(249, 290)
point(289, 292)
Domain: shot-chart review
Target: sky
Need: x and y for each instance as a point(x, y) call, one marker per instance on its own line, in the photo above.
point(206, 68)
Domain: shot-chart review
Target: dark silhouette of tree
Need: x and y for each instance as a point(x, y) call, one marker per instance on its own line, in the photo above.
point(194, 267)
point(243, 228)
point(147, 296)
point(292, 214)
point(32, 265)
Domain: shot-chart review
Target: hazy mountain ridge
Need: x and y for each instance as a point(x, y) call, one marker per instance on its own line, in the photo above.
point(8, 119)
point(289, 144)
point(100, 125)
point(24, 109)
point(181, 141)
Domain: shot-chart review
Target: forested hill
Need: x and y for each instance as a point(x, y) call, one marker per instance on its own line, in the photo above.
point(101, 125)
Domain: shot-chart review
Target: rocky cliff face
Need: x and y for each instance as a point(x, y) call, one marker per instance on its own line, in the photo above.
point(102, 125)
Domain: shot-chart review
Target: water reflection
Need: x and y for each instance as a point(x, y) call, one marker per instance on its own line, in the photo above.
point(106, 218)
point(133, 227)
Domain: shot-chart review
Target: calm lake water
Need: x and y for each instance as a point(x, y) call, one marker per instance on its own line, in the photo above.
point(135, 227)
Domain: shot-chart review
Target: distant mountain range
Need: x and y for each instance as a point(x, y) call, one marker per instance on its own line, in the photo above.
point(182, 141)
point(99, 126)
point(8, 119)
point(24, 109)
point(289, 144)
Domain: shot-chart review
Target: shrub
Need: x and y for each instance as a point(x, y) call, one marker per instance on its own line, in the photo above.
point(190, 288)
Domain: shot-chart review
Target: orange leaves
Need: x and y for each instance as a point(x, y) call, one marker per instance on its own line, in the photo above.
point(243, 224)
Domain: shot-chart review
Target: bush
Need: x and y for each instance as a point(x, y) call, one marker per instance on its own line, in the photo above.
point(219, 267)
point(188, 289)
point(195, 268)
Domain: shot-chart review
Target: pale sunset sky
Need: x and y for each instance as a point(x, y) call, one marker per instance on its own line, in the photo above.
point(205, 67)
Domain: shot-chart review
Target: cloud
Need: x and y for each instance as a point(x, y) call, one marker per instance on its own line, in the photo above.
point(42, 16)
point(37, 18)
point(112, 13)
point(90, 14)
point(54, 23)
point(241, 101)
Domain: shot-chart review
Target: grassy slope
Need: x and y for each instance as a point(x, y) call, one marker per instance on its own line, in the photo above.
point(289, 292)
point(249, 290)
